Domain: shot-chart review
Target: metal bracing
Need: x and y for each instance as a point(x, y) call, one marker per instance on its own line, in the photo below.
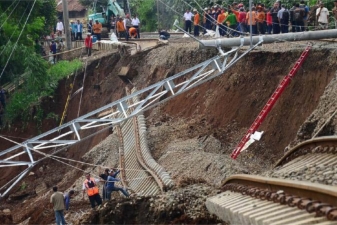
point(118, 111)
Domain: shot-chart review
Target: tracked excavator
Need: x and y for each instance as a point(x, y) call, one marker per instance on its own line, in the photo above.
point(103, 15)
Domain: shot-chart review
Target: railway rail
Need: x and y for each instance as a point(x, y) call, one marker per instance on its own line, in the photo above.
point(146, 176)
point(310, 148)
point(251, 199)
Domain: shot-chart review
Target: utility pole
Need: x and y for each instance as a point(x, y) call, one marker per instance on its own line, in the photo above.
point(66, 23)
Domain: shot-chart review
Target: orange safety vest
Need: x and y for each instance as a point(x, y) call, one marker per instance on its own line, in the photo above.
point(93, 190)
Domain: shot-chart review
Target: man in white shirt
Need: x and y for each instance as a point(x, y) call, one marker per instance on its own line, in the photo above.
point(59, 28)
point(188, 20)
point(322, 15)
point(136, 23)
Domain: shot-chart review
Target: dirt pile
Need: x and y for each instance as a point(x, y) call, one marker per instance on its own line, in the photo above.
point(322, 121)
point(180, 206)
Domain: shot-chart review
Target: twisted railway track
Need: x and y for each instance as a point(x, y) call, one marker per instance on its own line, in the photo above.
point(141, 173)
point(301, 189)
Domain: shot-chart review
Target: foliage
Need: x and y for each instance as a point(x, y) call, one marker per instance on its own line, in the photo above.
point(23, 186)
point(25, 103)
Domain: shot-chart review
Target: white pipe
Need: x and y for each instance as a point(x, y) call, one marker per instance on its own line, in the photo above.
point(230, 42)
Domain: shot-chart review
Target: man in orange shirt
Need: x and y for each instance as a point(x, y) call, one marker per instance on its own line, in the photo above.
point(254, 28)
point(220, 21)
point(260, 17)
point(133, 32)
point(120, 28)
point(196, 21)
point(97, 28)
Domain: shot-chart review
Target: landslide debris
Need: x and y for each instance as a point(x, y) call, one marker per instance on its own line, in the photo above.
point(180, 206)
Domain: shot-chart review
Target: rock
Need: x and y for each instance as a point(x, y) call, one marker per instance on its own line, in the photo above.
point(6, 211)
point(31, 174)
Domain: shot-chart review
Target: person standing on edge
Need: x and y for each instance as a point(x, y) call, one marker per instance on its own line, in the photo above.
point(322, 15)
point(90, 186)
point(97, 29)
point(79, 29)
point(273, 12)
point(260, 17)
point(196, 21)
point(254, 27)
point(57, 200)
point(292, 18)
point(136, 24)
point(284, 21)
point(120, 28)
point(73, 30)
point(110, 187)
point(188, 21)
point(67, 198)
point(242, 20)
point(89, 26)
point(88, 43)
point(59, 28)
point(334, 12)
point(127, 25)
point(306, 15)
point(269, 22)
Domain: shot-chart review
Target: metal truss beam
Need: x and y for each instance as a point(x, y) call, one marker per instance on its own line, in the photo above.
point(120, 110)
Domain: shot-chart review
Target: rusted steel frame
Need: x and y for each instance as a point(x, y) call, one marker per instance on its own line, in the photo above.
point(314, 198)
point(140, 158)
point(317, 145)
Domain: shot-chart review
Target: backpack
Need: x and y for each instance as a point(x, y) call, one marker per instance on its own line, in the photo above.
point(285, 15)
point(298, 15)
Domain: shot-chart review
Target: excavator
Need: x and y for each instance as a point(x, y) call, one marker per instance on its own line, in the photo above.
point(113, 8)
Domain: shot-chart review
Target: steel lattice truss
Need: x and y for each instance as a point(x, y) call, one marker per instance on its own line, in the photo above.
point(115, 113)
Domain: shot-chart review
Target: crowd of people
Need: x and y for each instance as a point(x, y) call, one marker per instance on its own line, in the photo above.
point(236, 19)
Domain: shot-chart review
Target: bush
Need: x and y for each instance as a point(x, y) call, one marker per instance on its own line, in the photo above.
point(25, 103)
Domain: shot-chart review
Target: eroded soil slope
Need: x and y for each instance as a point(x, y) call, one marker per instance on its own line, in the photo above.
point(193, 134)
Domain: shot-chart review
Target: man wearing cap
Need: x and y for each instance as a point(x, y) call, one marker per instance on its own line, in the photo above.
point(196, 21)
point(188, 21)
point(110, 187)
point(88, 43)
point(334, 12)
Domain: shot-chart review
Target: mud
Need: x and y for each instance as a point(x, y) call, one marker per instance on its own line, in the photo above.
point(192, 135)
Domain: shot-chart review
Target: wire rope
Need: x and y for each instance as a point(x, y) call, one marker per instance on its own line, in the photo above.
point(10, 56)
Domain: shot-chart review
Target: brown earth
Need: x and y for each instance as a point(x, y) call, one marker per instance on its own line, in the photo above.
point(202, 124)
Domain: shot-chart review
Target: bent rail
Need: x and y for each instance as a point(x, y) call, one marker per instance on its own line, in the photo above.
point(251, 199)
point(316, 145)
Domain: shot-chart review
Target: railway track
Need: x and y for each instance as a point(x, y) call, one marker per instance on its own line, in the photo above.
point(301, 189)
point(141, 173)
point(259, 200)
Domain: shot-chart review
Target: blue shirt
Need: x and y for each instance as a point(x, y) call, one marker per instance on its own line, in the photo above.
point(111, 182)
point(66, 200)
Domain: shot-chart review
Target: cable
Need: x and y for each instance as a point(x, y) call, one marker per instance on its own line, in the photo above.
point(10, 56)
point(7, 9)
point(13, 32)
point(9, 14)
